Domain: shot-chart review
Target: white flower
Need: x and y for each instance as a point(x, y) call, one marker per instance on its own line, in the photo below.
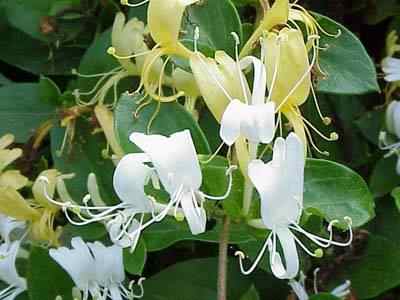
point(280, 185)
point(393, 126)
point(95, 269)
point(176, 165)
point(175, 161)
point(7, 225)
point(8, 271)
point(299, 289)
point(391, 68)
point(254, 120)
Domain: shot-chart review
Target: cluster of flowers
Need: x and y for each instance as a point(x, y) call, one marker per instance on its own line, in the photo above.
point(248, 117)
point(391, 69)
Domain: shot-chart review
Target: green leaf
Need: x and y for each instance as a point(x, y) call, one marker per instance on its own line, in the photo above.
point(324, 296)
point(387, 222)
point(251, 294)
point(172, 117)
point(197, 278)
point(22, 109)
point(216, 20)
point(26, 53)
point(4, 80)
point(46, 279)
point(335, 191)
point(381, 10)
point(162, 235)
point(89, 232)
point(48, 90)
point(384, 177)
point(216, 183)
point(396, 196)
point(370, 124)
point(134, 262)
point(82, 157)
point(376, 271)
point(347, 64)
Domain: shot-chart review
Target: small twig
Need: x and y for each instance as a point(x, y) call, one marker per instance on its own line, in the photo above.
point(223, 259)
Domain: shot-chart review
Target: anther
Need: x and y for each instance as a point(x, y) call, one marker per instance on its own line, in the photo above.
point(319, 253)
point(327, 121)
point(111, 51)
point(334, 136)
point(240, 254)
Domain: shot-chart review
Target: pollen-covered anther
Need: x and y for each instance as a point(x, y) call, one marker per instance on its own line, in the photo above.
point(319, 253)
point(240, 254)
point(327, 121)
point(334, 136)
point(111, 51)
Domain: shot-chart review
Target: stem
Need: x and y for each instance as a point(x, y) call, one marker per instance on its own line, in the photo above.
point(223, 259)
point(248, 186)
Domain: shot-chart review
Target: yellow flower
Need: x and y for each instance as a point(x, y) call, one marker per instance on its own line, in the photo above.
point(10, 178)
point(185, 81)
point(164, 21)
point(38, 211)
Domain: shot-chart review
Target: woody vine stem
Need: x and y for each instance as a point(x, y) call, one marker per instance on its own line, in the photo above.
point(223, 259)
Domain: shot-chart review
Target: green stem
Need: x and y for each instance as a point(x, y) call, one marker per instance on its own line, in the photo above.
point(248, 186)
point(223, 260)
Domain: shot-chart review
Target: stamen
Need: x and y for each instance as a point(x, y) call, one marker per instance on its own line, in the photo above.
point(300, 80)
point(228, 172)
point(274, 76)
point(239, 69)
point(333, 135)
point(256, 261)
point(314, 146)
point(196, 37)
point(213, 77)
point(326, 120)
point(212, 155)
point(125, 2)
point(113, 71)
point(112, 51)
point(315, 281)
point(140, 285)
point(316, 253)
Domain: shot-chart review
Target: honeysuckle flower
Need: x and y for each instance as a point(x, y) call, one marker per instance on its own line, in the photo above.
point(96, 270)
point(391, 68)
point(7, 226)
point(280, 185)
point(298, 287)
point(8, 271)
point(127, 43)
point(393, 127)
point(285, 56)
point(218, 80)
point(253, 120)
point(106, 120)
point(10, 178)
point(164, 30)
point(176, 164)
point(37, 211)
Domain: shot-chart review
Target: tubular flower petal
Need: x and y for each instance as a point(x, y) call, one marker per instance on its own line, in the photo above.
point(7, 226)
point(287, 53)
point(278, 14)
point(13, 179)
point(106, 120)
point(14, 205)
point(218, 80)
point(128, 39)
point(393, 127)
point(165, 18)
point(255, 120)
point(280, 185)
point(391, 68)
point(8, 272)
point(96, 270)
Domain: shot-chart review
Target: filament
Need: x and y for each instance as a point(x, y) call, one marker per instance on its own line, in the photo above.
point(126, 2)
point(228, 172)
